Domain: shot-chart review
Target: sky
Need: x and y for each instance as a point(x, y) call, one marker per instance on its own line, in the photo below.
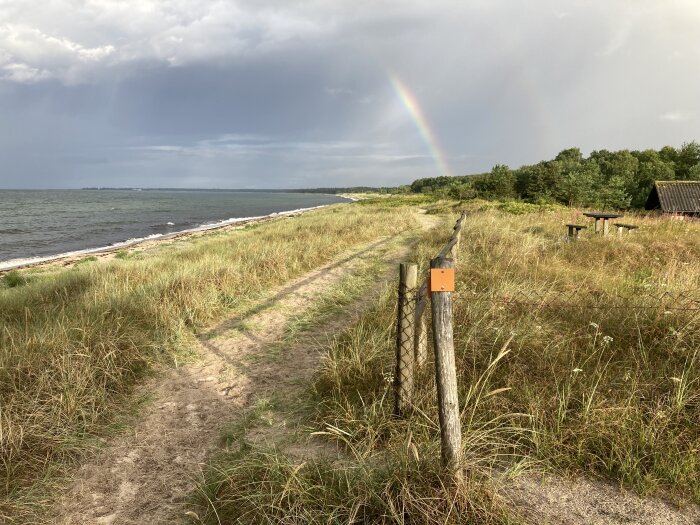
point(309, 93)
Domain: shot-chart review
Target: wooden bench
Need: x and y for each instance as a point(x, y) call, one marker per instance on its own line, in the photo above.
point(574, 230)
point(624, 227)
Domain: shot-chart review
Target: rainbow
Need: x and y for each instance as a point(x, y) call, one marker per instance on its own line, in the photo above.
point(416, 112)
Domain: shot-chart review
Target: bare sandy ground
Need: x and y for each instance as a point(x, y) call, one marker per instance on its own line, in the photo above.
point(554, 500)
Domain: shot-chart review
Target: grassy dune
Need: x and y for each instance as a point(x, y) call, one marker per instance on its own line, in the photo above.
point(573, 380)
point(74, 342)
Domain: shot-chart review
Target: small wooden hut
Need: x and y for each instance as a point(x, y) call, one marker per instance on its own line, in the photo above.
point(676, 197)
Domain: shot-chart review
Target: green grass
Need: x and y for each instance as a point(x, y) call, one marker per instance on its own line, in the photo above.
point(74, 342)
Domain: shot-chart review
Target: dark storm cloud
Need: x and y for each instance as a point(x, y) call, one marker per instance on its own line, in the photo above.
point(275, 94)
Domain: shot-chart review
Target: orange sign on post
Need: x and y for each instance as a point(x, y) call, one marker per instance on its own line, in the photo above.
point(442, 279)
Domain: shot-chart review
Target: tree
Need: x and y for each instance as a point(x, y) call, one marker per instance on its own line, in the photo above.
point(688, 157)
point(499, 183)
point(462, 191)
point(579, 183)
point(613, 194)
point(651, 169)
point(544, 181)
point(694, 172)
point(571, 155)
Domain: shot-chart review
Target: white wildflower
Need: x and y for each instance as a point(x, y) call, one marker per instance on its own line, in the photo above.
point(577, 370)
point(594, 325)
point(607, 339)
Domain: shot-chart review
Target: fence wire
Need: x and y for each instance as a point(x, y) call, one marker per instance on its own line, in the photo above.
point(668, 301)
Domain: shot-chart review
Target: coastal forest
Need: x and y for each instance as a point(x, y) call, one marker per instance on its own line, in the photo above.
point(605, 179)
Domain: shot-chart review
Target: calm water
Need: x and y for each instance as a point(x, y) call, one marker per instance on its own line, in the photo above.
point(42, 223)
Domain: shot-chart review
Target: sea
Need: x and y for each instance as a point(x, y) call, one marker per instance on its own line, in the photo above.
point(42, 224)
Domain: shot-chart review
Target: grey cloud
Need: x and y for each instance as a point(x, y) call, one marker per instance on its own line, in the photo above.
point(275, 94)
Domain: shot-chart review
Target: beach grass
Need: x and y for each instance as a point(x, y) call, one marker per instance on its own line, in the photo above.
point(572, 358)
point(578, 356)
point(74, 342)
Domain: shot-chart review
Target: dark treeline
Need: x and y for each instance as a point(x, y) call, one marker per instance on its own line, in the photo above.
point(605, 179)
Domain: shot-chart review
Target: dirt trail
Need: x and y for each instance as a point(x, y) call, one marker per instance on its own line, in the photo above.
point(145, 474)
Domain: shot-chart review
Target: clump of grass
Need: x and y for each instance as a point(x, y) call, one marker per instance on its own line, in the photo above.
point(14, 278)
point(86, 260)
point(254, 485)
point(73, 343)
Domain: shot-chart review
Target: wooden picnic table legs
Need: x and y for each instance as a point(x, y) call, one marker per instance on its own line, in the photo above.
point(597, 227)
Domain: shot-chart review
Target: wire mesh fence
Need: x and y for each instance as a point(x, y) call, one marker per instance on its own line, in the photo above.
point(687, 300)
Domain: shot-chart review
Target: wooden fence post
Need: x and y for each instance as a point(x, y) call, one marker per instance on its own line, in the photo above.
point(420, 345)
point(458, 235)
point(446, 372)
point(405, 334)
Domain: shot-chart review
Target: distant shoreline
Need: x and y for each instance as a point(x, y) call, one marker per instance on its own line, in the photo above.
point(75, 255)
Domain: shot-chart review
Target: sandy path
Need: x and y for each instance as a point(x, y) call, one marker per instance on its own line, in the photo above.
point(145, 474)
point(553, 500)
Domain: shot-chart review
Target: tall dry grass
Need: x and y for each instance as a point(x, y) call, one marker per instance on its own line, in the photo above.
point(572, 355)
point(74, 342)
point(555, 368)
point(607, 371)
point(389, 470)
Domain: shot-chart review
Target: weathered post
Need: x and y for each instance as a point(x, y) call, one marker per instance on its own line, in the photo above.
point(441, 288)
point(455, 247)
point(605, 226)
point(405, 334)
point(420, 341)
point(458, 236)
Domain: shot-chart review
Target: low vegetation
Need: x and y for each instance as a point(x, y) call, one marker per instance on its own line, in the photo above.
point(74, 342)
point(572, 357)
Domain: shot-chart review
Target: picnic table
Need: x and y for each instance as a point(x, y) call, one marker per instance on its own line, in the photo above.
point(605, 217)
point(621, 227)
point(574, 230)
